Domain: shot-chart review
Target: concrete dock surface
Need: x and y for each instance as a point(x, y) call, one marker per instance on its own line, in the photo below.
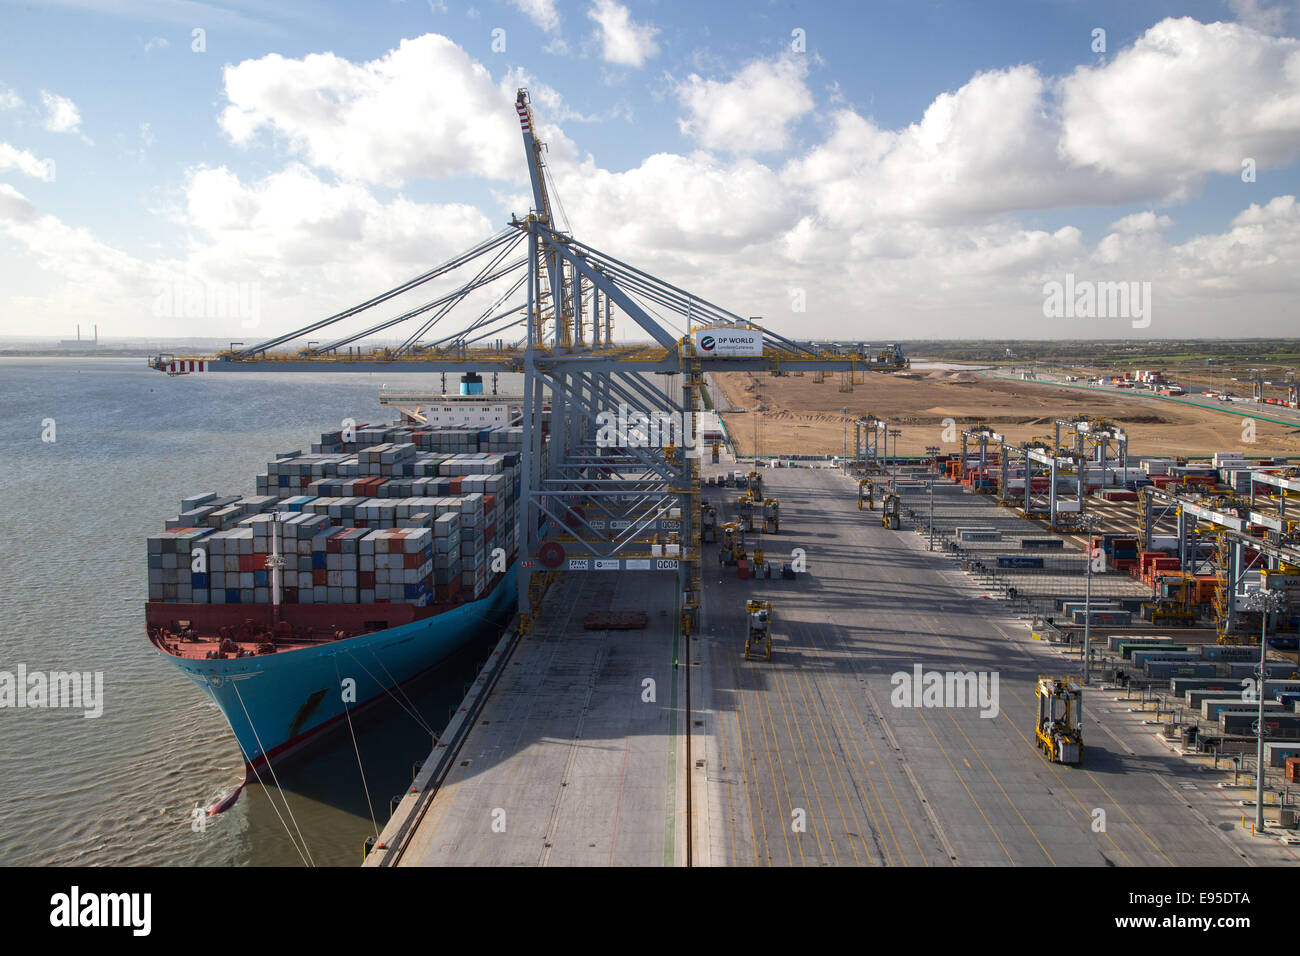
point(569, 764)
point(811, 758)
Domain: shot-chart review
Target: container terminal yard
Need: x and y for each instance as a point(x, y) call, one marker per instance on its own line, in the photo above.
point(561, 746)
point(998, 653)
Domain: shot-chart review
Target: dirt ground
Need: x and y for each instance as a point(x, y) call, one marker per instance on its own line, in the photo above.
point(794, 414)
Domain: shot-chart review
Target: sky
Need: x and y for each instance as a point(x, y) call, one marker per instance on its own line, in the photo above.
point(876, 171)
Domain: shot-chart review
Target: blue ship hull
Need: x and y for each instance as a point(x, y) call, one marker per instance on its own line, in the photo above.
point(276, 702)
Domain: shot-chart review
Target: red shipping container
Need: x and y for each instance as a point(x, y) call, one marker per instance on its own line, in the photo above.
point(290, 595)
point(252, 562)
point(456, 485)
point(742, 569)
point(319, 577)
point(412, 560)
point(366, 579)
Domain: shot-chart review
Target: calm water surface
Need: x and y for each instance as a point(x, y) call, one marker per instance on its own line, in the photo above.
point(74, 515)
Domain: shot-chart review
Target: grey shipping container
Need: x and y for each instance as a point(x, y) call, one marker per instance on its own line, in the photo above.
point(1275, 754)
point(1163, 669)
point(1113, 642)
point(1194, 698)
point(1179, 686)
point(1213, 707)
point(1140, 657)
point(1276, 725)
point(1280, 670)
point(1228, 652)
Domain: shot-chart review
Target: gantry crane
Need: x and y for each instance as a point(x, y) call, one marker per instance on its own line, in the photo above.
point(544, 304)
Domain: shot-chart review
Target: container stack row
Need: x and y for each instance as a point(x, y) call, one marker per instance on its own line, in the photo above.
point(374, 520)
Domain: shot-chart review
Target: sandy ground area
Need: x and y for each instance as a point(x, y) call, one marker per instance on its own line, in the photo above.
point(795, 414)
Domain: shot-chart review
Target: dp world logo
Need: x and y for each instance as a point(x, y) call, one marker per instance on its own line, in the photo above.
point(707, 343)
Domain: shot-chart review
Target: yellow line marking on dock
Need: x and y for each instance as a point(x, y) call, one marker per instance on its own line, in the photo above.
point(936, 625)
point(801, 750)
point(960, 780)
point(818, 728)
point(745, 764)
point(843, 736)
point(866, 733)
point(1061, 780)
point(770, 730)
point(1012, 724)
point(1130, 818)
point(731, 813)
point(1082, 805)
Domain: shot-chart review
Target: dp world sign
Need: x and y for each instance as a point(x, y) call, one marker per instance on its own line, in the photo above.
point(728, 343)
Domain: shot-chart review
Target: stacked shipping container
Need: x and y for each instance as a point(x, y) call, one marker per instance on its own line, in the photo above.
point(421, 515)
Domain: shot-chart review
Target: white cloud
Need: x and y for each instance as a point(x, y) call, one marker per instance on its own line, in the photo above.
point(912, 228)
point(74, 257)
point(675, 203)
point(295, 220)
point(306, 244)
point(541, 12)
point(1012, 139)
point(156, 43)
point(424, 110)
point(20, 159)
point(1146, 221)
point(1264, 19)
point(14, 206)
point(749, 113)
point(9, 100)
point(1186, 99)
point(61, 114)
point(622, 39)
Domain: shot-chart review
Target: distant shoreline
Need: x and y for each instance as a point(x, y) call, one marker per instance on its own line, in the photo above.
point(100, 352)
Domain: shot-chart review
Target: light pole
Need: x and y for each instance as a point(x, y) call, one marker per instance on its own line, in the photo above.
point(895, 432)
point(844, 412)
point(1265, 602)
point(1090, 524)
point(933, 452)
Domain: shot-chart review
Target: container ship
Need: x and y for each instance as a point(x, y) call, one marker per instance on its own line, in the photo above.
point(352, 570)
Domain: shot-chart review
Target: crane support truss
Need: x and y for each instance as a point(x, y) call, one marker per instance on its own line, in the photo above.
point(1213, 535)
point(619, 485)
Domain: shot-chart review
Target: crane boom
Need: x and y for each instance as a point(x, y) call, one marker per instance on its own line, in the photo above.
point(533, 150)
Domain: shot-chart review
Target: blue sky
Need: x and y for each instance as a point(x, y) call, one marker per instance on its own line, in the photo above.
point(810, 184)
